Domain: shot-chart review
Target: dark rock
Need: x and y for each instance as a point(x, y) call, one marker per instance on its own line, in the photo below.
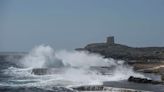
point(101, 88)
point(39, 71)
point(89, 88)
point(162, 77)
point(143, 80)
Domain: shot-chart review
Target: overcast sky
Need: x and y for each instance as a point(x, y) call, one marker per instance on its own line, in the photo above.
point(69, 24)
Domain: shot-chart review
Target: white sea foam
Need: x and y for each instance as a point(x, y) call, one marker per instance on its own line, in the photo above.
point(41, 57)
point(76, 67)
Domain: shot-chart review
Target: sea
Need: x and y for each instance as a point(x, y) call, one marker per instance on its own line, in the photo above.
point(65, 70)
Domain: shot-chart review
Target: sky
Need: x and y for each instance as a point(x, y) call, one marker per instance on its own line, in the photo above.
point(70, 24)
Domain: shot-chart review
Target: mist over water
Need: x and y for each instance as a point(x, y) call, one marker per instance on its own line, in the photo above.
point(40, 57)
point(74, 68)
point(45, 57)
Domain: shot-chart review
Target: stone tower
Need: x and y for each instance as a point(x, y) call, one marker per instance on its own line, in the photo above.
point(110, 40)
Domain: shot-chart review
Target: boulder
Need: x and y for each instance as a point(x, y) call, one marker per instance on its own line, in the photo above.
point(143, 80)
point(39, 71)
point(162, 77)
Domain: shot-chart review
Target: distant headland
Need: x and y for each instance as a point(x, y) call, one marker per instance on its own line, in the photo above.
point(110, 49)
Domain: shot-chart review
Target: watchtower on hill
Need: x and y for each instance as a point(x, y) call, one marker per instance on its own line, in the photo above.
point(110, 40)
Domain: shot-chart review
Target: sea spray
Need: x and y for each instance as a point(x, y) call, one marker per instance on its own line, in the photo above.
point(41, 57)
point(75, 64)
point(83, 59)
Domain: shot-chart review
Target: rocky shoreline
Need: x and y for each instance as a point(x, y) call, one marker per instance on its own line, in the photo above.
point(143, 59)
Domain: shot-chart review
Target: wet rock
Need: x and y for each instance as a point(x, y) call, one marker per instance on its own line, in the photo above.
point(89, 88)
point(101, 88)
point(143, 80)
point(162, 77)
point(39, 71)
